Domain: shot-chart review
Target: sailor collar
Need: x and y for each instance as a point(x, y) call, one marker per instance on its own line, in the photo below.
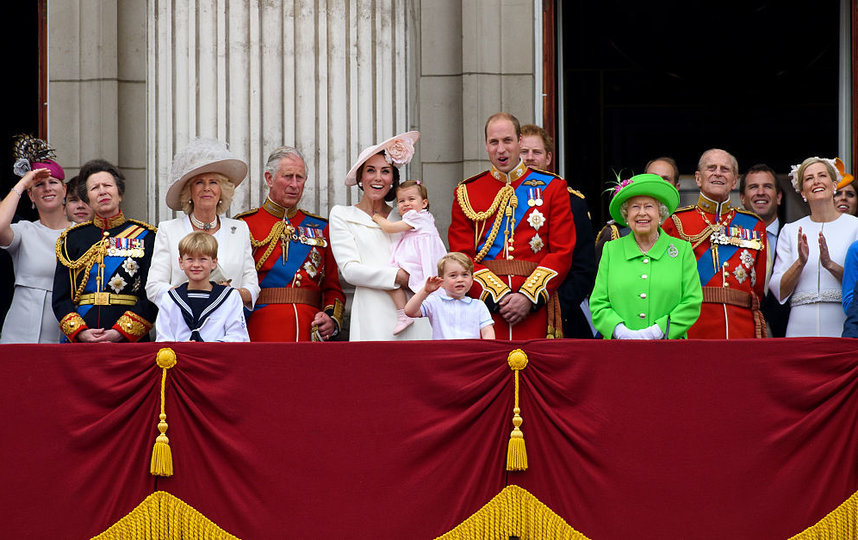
point(711, 207)
point(513, 175)
point(279, 211)
point(108, 223)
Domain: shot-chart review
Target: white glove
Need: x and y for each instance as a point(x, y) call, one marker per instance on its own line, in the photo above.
point(651, 332)
point(621, 332)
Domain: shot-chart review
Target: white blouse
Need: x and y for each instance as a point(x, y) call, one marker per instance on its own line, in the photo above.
point(235, 256)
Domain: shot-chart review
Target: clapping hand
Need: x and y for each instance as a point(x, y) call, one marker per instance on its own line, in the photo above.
point(803, 248)
point(824, 256)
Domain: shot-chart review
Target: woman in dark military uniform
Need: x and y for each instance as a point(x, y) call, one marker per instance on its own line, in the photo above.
point(102, 265)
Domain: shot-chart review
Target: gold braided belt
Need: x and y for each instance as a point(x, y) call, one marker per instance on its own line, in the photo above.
point(106, 299)
point(289, 295)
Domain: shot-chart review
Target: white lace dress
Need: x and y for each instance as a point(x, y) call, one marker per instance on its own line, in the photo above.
point(816, 300)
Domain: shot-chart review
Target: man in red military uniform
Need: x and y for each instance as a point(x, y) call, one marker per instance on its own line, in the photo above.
point(517, 225)
point(730, 246)
point(301, 298)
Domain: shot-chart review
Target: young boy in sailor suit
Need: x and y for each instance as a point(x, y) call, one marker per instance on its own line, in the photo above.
point(200, 310)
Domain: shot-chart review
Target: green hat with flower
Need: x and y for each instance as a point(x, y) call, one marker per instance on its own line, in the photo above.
point(649, 185)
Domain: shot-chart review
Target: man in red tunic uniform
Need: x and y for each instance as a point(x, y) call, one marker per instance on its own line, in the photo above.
point(517, 225)
point(730, 246)
point(301, 298)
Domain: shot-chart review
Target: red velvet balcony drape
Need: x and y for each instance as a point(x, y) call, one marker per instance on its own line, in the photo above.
point(738, 439)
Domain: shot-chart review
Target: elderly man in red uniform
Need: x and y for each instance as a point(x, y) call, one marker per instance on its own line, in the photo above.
point(517, 225)
point(301, 298)
point(730, 246)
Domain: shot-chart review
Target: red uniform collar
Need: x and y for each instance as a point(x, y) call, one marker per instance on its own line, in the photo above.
point(108, 223)
point(510, 177)
point(279, 211)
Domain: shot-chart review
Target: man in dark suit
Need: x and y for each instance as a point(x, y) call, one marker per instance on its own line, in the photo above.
point(537, 147)
point(761, 194)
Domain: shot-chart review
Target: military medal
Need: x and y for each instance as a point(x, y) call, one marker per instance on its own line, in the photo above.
point(536, 219)
point(534, 196)
point(310, 236)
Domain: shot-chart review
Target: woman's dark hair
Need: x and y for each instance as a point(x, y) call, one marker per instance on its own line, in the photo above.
point(391, 195)
point(96, 166)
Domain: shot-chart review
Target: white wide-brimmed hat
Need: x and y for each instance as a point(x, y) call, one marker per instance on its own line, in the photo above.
point(198, 157)
point(398, 151)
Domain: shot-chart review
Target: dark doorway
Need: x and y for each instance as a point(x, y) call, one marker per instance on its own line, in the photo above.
point(20, 63)
point(21, 29)
point(646, 79)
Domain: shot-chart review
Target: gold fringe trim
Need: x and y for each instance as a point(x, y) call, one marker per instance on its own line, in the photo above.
point(842, 522)
point(516, 453)
point(162, 457)
point(164, 516)
point(513, 512)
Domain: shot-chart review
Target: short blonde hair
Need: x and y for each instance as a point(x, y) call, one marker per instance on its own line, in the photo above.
point(799, 180)
point(198, 243)
point(455, 256)
point(227, 191)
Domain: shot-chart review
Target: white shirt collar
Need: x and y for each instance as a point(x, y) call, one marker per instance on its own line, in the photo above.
point(444, 296)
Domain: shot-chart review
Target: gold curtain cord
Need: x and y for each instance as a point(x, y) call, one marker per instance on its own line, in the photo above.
point(516, 453)
point(162, 457)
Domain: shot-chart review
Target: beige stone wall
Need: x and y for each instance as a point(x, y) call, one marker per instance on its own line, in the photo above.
point(475, 59)
point(97, 89)
point(131, 81)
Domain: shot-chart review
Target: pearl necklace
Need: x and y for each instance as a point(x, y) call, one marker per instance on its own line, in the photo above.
point(206, 226)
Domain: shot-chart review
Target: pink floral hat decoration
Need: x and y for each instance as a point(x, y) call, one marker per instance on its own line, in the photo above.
point(398, 151)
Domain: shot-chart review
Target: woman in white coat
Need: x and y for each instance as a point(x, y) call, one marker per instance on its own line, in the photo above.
point(362, 249)
point(204, 175)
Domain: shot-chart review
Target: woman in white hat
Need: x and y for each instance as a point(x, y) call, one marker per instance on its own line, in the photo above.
point(362, 249)
point(204, 175)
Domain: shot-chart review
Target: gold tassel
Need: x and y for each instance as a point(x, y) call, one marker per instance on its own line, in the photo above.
point(516, 453)
point(162, 456)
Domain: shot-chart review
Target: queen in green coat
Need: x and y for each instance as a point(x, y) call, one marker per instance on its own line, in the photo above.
point(647, 286)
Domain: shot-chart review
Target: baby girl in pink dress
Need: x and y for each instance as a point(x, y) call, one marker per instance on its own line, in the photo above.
point(418, 249)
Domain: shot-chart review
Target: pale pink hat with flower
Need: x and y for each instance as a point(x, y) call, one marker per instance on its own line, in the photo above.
point(398, 151)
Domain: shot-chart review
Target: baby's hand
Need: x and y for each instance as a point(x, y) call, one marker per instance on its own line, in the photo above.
point(433, 283)
point(377, 218)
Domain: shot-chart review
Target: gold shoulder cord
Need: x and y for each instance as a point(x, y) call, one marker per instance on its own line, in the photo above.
point(95, 254)
point(695, 240)
point(502, 199)
point(279, 232)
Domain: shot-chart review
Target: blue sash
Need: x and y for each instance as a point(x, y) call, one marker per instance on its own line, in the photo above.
point(281, 274)
point(111, 265)
point(521, 194)
point(705, 263)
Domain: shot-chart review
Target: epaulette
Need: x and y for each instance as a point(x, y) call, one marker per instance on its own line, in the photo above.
point(685, 208)
point(748, 212)
point(144, 224)
point(471, 179)
point(549, 173)
point(312, 215)
point(575, 192)
point(245, 214)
